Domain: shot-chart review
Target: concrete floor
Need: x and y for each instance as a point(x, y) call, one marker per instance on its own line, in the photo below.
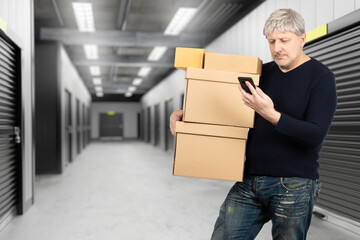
point(126, 191)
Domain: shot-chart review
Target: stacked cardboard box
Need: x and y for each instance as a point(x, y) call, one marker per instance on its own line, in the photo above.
point(211, 139)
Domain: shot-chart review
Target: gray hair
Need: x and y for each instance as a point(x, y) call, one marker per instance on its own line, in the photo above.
point(283, 20)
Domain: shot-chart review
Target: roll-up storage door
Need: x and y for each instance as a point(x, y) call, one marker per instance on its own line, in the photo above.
point(340, 156)
point(10, 122)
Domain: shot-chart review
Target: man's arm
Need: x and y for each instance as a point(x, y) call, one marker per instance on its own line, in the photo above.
point(320, 113)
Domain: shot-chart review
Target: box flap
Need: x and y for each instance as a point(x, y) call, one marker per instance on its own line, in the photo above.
point(233, 63)
point(189, 57)
point(218, 76)
point(212, 130)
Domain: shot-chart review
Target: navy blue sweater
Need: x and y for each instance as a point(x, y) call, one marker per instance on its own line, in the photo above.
point(306, 99)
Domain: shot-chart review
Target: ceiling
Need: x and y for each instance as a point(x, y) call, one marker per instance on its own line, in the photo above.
point(126, 32)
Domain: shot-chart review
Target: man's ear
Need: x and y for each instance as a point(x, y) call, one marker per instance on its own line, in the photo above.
point(303, 39)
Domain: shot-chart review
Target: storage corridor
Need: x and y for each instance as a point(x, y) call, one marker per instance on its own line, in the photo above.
point(126, 191)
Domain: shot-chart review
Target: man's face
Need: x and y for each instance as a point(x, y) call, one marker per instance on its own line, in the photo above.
point(286, 49)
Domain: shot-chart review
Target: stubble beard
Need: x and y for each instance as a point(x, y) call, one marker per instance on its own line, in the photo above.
point(284, 66)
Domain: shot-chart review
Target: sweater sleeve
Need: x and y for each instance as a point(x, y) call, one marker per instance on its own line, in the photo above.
point(321, 109)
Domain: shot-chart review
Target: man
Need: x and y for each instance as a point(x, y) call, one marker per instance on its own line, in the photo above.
point(295, 104)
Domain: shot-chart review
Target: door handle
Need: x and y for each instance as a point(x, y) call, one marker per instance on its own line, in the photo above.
point(17, 136)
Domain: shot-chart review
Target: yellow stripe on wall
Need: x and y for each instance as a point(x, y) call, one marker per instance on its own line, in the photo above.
point(3, 26)
point(316, 33)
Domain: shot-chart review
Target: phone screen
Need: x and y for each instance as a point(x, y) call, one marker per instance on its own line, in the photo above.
point(242, 81)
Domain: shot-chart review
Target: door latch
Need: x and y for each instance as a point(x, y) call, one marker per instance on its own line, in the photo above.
point(17, 137)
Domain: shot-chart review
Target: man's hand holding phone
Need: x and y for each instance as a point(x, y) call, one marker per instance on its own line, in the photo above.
point(256, 99)
point(243, 80)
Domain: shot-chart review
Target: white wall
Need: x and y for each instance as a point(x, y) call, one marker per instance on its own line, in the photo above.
point(71, 81)
point(18, 16)
point(129, 111)
point(246, 38)
point(172, 87)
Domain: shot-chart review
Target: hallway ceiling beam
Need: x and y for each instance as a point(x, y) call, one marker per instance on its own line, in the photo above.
point(120, 61)
point(115, 38)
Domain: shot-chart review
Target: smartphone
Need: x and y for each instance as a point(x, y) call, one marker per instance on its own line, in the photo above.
point(242, 81)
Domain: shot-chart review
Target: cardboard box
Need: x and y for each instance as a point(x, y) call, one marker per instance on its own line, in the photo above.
point(213, 97)
point(189, 57)
point(233, 63)
point(209, 151)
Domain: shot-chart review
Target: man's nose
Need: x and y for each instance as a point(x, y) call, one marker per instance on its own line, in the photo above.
point(277, 47)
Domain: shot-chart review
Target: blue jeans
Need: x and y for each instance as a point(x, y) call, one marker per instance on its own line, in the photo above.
point(287, 202)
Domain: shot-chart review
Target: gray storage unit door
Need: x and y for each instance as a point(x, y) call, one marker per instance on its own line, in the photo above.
point(84, 126)
point(141, 125)
point(148, 124)
point(68, 127)
point(78, 126)
point(157, 125)
point(89, 124)
point(111, 126)
point(10, 122)
point(340, 156)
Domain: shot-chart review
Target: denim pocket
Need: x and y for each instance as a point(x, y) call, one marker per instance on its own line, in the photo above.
point(295, 183)
point(294, 200)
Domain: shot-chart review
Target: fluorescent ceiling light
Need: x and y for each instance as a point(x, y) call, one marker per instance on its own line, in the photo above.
point(98, 88)
point(137, 81)
point(131, 89)
point(84, 16)
point(144, 71)
point(91, 51)
point(95, 70)
point(128, 94)
point(97, 81)
point(99, 94)
point(157, 53)
point(181, 18)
